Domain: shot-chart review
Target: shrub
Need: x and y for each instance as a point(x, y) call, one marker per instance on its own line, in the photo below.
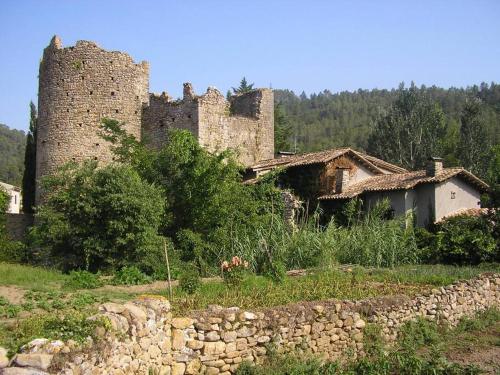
point(8, 310)
point(102, 218)
point(465, 240)
point(73, 325)
point(130, 275)
point(234, 271)
point(275, 271)
point(10, 251)
point(82, 280)
point(189, 280)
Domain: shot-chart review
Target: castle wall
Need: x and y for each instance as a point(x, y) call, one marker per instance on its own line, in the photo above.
point(78, 87)
point(163, 114)
point(245, 123)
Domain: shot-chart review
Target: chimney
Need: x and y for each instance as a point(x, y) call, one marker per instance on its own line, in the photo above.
point(434, 166)
point(341, 179)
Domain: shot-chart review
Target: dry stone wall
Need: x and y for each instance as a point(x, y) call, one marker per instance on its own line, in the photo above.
point(78, 87)
point(147, 339)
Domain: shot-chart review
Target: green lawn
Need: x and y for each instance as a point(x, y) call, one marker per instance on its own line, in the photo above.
point(30, 277)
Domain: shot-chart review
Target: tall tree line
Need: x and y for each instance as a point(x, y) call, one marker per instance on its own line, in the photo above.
point(459, 124)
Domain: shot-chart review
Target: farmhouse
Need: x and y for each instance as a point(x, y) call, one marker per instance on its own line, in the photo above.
point(331, 177)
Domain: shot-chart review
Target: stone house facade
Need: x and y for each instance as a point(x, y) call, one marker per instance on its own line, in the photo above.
point(83, 84)
point(331, 177)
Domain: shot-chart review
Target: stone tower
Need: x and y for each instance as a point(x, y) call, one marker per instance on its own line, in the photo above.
point(78, 87)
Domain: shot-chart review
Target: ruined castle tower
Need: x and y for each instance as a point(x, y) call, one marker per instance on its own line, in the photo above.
point(78, 87)
point(81, 85)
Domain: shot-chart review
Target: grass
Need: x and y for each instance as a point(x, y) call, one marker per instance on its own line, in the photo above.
point(257, 291)
point(30, 277)
point(437, 275)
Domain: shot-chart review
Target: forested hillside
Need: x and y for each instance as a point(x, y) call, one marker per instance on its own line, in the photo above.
point(12, 145)
point(327, 120)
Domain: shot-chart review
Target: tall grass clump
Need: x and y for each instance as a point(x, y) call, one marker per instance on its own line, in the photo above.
point(364, 238)
point(277, 243)
point(370, 239)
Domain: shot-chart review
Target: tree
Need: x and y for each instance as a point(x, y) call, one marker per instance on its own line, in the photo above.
point(99, 219)
point(29, 176)
point(411, 131)
point(282, 129)
point(207, 202)
point(473, 140)
point(243, 87)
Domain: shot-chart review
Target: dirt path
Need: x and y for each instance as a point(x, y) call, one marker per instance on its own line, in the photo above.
point(13, 294)
point(487, 359)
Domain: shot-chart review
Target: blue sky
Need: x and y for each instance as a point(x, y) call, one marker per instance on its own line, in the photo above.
point(299, 45)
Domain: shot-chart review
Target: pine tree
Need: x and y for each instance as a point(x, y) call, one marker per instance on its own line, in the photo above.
point(29, 177)
point(411, 131)
point(473, 142)
point(282, 130)
point(244, 87)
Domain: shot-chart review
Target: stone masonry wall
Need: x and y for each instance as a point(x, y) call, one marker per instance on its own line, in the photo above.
point(147, 339)
point(17, 225)
point(78, 87)
point(245, 123)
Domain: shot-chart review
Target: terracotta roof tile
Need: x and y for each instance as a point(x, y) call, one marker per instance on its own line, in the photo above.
point(321, 157)
point(403, 181)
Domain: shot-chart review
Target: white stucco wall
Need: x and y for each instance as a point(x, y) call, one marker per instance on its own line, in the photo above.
point(396, 198)
point(465, 196)
point(14, 206)
point(362, 173)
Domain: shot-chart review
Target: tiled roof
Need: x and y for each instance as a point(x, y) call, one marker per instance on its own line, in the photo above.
point(322, 157)
point(476, 212)
point(383, 164)
point(404, 181)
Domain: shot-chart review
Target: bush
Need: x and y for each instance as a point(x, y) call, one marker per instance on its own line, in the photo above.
point(83, 280)
point(235, 270)
point(12, 251)
point(464, 240)
point(74, 325)
point(130, 275)
point(189, 280)
point(8, 310)
point(101, 218)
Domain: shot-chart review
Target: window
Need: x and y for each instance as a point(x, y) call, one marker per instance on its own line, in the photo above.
point(15, 198)
point(453, 195)
point(112, 93)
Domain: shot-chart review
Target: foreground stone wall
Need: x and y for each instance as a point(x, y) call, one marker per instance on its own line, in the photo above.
point(147, 339)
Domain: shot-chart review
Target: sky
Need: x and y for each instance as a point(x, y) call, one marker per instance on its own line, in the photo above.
point(298, 45)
